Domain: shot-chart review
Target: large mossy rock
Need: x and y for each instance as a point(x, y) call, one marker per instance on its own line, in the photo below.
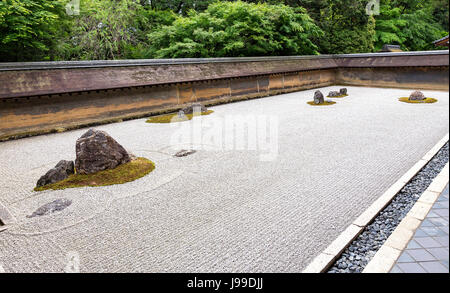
point(61, 171)
point(97, 151)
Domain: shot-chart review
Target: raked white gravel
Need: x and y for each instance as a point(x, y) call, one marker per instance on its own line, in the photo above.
point(220, 211)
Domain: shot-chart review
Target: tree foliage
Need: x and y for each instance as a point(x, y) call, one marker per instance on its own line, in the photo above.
point(408, 23)
point(237, 29)
point(27, 28)
point(32, 30)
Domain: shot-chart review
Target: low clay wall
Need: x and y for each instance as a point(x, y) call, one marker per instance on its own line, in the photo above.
point(43, 97)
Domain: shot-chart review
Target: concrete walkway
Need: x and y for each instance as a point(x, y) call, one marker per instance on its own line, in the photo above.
point(428, 250)
point(220, 210)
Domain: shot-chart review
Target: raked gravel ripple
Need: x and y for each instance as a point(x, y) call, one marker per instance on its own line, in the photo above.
point(361, 251)
point(220, 210)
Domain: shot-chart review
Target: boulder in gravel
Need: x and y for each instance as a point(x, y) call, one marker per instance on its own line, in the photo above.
point(54, 206)
point(196, 107)
point(318, 98)
point(96, 151)
point(343, 91)
point(61, 171)
point(334, 94)
point(417, 96)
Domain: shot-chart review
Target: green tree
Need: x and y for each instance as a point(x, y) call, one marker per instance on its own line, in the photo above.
point(232, 29)
point(348, 28)
point(106, 30)
point(28, 29)
point(409, 24)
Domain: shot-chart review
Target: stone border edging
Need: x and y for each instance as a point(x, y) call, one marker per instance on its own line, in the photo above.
point(387, 255)
point(327, 257)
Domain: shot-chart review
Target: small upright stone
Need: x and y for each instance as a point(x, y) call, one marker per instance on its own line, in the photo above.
point(196, 107)
point(97, 151)
point(343, 91)
point(417, 96)
point(318, 98)
point(61, 171)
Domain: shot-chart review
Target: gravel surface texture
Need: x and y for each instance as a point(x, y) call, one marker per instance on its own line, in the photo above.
point(220, 210)
point(360, 252)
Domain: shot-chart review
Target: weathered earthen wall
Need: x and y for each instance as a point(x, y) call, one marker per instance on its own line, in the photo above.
point(39, 98)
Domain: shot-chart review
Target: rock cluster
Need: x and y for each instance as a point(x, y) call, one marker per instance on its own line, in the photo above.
point(318, 98)
point(417, 96)
point(61, 171)
point(95, 151)
point(341, 92)
point(334, 94)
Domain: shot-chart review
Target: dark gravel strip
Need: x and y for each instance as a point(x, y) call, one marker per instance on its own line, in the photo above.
point(362, 249)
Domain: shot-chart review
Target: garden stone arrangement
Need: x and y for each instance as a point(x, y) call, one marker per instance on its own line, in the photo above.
point(417, 97)
point(216, 210)
point(319, 100)
point(338, 94)
point(100, 161)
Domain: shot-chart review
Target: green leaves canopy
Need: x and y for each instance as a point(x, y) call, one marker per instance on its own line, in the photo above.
point(235, 29)
point(27, 28)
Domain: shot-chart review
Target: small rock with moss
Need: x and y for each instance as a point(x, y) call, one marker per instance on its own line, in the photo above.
point(61, 171)
point(343, 91)
point(417, 96)
point(318, 98)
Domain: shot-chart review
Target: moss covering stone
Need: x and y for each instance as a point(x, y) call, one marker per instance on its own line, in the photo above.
point(426, 101)
point(326, 103)
point(173, 117)
point(128, 172)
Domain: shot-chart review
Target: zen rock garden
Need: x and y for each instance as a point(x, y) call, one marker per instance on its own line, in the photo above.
point(100, 160)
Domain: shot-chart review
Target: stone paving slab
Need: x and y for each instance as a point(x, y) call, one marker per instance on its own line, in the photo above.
point(220, 211)
point(428, 250)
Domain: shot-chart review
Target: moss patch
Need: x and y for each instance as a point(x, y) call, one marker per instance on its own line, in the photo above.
point(321, 104)
point(426, 101)
point(173, 117)
point(341, 96)
point(124, 173)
